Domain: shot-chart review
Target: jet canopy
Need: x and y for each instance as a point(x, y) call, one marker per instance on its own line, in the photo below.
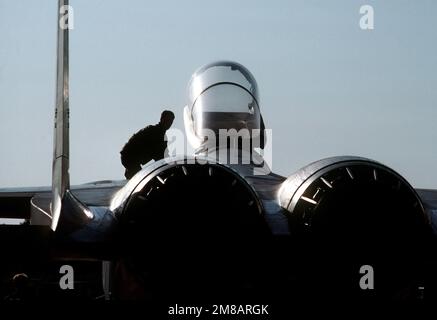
point(222, 95)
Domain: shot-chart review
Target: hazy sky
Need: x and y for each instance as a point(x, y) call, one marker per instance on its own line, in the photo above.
point(326, 86)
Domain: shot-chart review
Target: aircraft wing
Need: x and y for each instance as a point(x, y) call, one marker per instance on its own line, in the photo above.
point(15, 203)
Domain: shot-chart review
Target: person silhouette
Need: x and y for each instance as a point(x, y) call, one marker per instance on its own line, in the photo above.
point(147, 144)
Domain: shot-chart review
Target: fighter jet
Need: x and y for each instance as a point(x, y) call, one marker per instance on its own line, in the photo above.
point(220, 223)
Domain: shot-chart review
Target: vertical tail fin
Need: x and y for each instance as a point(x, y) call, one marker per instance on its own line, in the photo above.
point(61, 154)
point(63, 202)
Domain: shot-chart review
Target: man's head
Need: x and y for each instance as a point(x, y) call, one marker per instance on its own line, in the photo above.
point(167, 118)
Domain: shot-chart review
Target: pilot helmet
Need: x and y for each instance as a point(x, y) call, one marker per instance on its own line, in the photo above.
point(222, 95)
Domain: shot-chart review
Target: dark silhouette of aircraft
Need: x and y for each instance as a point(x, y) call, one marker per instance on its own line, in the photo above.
point(221, 224)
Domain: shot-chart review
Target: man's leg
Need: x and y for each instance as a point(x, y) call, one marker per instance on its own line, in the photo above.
point(132, 167)
point(131, 171)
